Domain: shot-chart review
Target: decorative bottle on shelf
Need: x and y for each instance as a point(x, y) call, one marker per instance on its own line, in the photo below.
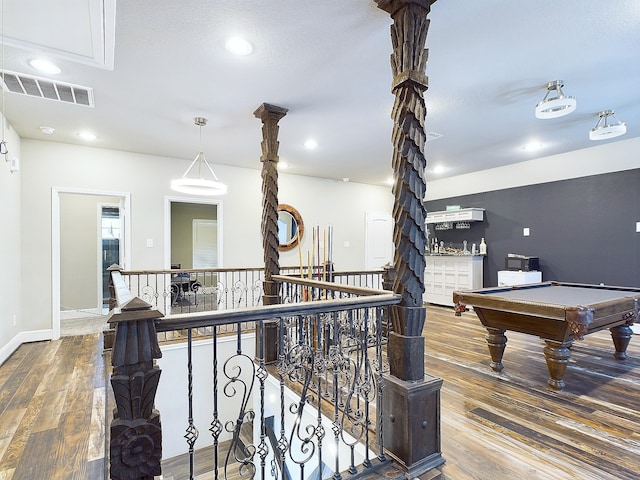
point(483, 247)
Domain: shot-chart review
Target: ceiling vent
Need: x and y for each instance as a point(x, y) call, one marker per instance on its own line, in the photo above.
point(45, 88)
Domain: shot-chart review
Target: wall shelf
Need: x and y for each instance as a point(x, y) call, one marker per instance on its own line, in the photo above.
point(453, 216)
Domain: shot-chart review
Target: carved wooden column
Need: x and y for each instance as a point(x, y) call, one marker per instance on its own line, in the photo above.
point(412, 399)
point(136, 434)
point(270, 115)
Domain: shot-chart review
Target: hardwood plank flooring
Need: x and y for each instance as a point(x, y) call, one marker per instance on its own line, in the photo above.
point(512, 425)
point(49, 393)
point(495, 426)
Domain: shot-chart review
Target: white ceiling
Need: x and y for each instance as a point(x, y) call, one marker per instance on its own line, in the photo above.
point(155, 65)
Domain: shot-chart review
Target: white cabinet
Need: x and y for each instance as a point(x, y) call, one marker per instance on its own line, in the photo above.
point(444, 274)
point(511, 277)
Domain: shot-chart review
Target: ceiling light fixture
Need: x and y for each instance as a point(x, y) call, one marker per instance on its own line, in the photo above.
point(554, 107)
point(605, 130)
point(311, 144)
point(532, 147)
point(47, 130)
point(198, 185)
point(88, 136)
point(45, 66)
point(238, 46)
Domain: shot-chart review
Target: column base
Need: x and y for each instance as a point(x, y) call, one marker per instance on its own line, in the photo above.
point(411, 424)
point(270, 345)
point(406, 356)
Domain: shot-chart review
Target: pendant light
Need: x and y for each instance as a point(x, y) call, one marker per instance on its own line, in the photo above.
point(555, 106)
point(193, 182)
point(605, 130)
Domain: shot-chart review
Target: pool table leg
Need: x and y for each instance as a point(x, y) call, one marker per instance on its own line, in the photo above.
point(557, 355)
point(497, 341)
point(621, 336)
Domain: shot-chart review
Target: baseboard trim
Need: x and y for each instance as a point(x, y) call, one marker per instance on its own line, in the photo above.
point(23, 337)
point(81, 313)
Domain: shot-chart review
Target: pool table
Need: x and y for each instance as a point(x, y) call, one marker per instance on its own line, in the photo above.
point(558, 313)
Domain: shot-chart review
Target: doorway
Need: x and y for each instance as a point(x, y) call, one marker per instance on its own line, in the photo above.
point(193, 229)
point(77, 254)
point(110, 225)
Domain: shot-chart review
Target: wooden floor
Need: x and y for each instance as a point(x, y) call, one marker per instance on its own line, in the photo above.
point(52, 411)
point(507, 425)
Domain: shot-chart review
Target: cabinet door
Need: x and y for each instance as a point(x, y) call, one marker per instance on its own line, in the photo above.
point(464, 277)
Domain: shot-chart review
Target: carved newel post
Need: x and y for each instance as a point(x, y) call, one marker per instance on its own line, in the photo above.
point(136, 435)
point(270, 115)
point(411, 423)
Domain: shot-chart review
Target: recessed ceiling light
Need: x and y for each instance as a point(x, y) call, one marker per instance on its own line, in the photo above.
point(389, 181)
point(282, 165)
point(439, 169)
point(45, 66)
point(310, 144)
point(87, 136)
point(532, 147)
point(238, 46)
point(47, 130)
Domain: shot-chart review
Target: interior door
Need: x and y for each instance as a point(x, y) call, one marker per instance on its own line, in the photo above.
point(378, 240)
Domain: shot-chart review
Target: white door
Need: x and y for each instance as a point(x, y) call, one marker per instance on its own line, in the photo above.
point(378, 240)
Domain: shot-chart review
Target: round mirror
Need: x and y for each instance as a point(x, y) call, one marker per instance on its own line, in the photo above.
point(290, 227)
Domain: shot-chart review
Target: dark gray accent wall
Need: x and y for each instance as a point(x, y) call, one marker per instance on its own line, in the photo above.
point(583, 229)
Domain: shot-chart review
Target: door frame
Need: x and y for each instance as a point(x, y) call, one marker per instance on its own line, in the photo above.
point(167, 224)
point(56, 192)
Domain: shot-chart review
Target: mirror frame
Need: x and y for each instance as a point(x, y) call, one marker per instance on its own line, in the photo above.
point(283, 247)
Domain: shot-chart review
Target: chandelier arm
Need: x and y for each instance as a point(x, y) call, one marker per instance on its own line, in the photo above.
point(210, 169)
point(191, 166)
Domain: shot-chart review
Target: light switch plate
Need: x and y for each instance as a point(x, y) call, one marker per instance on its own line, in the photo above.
point(526, 232)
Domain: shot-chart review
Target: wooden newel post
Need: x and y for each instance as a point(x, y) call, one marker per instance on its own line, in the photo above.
point(136, 434)
point(411, 422)
point(270, 116)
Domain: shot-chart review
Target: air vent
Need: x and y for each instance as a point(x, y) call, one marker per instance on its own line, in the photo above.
point(45, 88)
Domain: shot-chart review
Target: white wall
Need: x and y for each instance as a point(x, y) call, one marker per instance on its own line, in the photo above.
point(25, 209)
point(10, 280)
point(172, 394)
point(609, 157)
point(50, 164)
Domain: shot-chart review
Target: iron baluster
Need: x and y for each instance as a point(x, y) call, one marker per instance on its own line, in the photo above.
point(216, 425)
point(191, 434)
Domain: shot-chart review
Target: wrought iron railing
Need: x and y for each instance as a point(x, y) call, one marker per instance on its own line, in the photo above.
point(199, 290)
point(330, 352)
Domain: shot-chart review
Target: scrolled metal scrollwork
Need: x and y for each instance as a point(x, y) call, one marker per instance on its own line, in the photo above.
point(238, 386)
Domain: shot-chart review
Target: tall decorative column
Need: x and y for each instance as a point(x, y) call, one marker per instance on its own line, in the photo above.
point(412, 398)
point(270, 116)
